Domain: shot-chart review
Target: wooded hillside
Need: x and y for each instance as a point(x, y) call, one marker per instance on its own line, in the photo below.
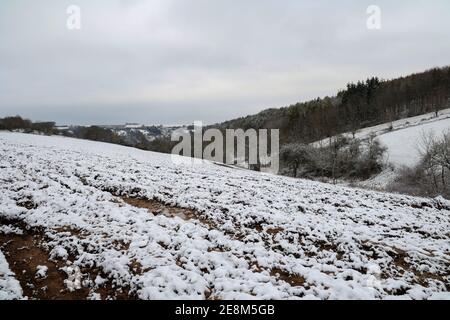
point(360, 105)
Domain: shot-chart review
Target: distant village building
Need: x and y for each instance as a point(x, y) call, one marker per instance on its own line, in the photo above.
point(133, 126)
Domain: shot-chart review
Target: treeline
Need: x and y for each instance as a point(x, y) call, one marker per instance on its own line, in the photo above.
point(134, 139)
point(362, 104)
point(25, 125)
point(95, 133)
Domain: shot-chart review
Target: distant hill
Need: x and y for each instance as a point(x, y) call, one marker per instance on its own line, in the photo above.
point(363, 104)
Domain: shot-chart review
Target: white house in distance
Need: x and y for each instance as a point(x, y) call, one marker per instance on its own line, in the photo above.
point(133, 126)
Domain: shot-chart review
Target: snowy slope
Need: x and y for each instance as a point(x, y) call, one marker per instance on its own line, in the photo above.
point(403, 145)
point(402, 136)
point(251, 235)
point(405, 123)
point(402, 139)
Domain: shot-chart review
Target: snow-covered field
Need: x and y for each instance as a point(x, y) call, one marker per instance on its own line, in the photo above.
point(246, 235)
point(403, 139)
point(404, 123)
point(404, 142)
point(403, 136)
point(404, 145)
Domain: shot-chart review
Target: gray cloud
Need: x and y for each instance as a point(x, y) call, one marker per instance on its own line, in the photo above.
point(172, 61)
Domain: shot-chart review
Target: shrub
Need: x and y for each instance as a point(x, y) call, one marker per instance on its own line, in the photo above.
point(341, 158)
point(430, 178)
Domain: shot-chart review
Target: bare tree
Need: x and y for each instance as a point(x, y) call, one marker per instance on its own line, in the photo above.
point(435, 152)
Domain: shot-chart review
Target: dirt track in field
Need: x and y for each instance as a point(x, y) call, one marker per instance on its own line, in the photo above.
point(25, 252)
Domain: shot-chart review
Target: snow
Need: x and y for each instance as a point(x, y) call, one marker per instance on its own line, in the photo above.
point(10, 288)
point(403, 136)
point(440, 296)
point(7, 229)
point(58, 253)
point(381, 180)
point(387, 127)
point(74, 278)
point(133, 125)
point(403, 145)
point(41, 272)
point(342, 243)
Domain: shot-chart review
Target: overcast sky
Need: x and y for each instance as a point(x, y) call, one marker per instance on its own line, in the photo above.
point(175, 61)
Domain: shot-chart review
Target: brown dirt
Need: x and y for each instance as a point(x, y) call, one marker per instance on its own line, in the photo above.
point(399, 260)
point(292, 279)
point(25, 253)
point(158, 207)
point(274, 231)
